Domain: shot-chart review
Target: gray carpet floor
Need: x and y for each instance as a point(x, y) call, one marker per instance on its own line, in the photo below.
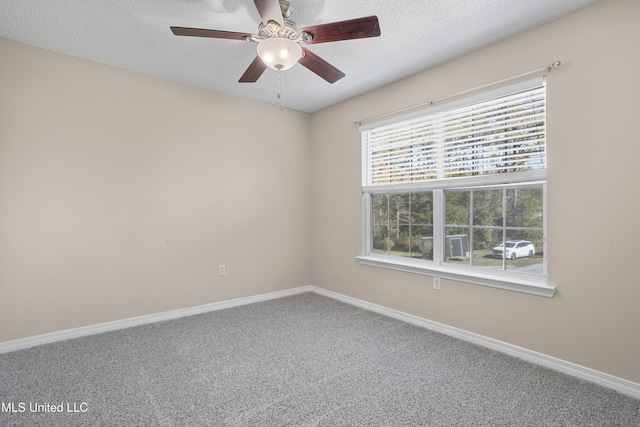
point(304, 360)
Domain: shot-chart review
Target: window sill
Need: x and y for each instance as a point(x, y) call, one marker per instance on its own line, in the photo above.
point(513, 283)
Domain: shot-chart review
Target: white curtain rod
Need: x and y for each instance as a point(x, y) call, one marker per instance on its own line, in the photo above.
point(547, 68)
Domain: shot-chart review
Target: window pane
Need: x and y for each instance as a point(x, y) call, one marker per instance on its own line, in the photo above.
point(524, 207)
point(457, 241)
point(484, 241)
point(399, 209)
point(422, 208)
point(380, 211)
point(526, 255)
point(489, 240)
point(422, 242)
point(381, 239)
point(399, 240)
point(457, 207)
point(487, 207)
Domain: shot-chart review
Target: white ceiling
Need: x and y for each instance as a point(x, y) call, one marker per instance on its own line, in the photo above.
point(135, 35)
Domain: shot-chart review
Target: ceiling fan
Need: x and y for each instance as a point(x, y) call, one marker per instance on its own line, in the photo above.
point(280, 41)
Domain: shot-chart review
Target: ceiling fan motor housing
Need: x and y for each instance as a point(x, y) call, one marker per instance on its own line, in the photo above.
point(285, 7)
point(289, 30)
point(273, 29)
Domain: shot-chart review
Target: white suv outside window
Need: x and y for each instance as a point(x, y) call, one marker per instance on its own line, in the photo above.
point(515, 249)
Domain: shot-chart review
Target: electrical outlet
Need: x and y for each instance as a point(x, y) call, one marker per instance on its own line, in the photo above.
point(222, 270)
point(436, 283)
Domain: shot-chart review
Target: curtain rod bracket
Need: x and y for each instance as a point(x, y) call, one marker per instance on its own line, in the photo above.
point(553, 65)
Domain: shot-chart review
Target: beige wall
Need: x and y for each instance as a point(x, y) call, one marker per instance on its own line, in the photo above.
point(120, 194)
point(593, 203)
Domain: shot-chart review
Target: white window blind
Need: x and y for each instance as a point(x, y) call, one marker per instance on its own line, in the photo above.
point(499, 135)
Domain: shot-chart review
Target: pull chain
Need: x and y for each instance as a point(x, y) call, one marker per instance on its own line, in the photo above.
point(281, 89)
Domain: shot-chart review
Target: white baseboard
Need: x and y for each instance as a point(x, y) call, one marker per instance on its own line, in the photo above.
point(618, 384)
point(623, 386)
point(19, 344)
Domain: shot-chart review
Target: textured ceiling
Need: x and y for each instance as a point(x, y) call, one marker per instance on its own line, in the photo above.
point(416, 35)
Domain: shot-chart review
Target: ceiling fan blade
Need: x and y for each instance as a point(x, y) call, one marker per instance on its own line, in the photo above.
point(269, 10)
point(321, 67)
point(344, 30)
point(254, 71)
point(216, 34)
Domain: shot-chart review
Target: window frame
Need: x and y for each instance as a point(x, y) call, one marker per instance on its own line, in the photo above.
point(438, 267)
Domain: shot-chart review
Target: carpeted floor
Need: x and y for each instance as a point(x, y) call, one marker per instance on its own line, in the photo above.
point(304, 360)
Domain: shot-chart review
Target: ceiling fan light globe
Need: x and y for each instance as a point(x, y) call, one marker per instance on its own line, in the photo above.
point(279, 53)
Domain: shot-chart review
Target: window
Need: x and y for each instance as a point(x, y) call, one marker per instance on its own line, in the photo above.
point(459, 192)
